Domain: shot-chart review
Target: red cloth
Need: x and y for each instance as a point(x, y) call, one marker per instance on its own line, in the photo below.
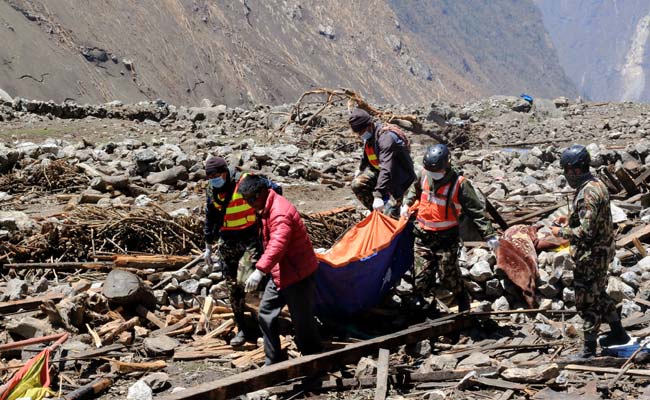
point(517, 257)
point(288, 253)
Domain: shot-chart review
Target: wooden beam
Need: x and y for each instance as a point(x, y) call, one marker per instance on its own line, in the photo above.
point(253, 380)
point(62, 266)
point(643, 177)
point(31, 303)
point(539, 213)
point(151, 261)
point(639, 234)
point(91, 390)
point(605, 370)
point(626, 180)
point(96, 352)
point(382, 374)
point(498, 383)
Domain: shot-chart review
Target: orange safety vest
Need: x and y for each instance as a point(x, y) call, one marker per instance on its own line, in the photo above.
point(432, 210)
point(239, 215)
point(369, 149)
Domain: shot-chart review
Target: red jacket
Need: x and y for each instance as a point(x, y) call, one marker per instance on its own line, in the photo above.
point(288, 253)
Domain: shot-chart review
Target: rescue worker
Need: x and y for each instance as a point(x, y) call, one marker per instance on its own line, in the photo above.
point(439, 197)
point(590, 232)
point(233, 223)
point(386, 169)
point(290, 260)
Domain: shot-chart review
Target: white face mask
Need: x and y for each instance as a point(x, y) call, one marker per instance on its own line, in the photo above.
point(436, 176)
point(366, 136)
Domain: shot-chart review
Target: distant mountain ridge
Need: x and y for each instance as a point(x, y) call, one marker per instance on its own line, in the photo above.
point(247, 51)
point(602, 45)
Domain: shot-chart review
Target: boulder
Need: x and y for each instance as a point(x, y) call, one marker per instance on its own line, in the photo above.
point(481, 271)
point(15, 290)
point(169, 176)
point(618, 290)
point(160, 345)
point(437, 363)
point(139, 391)
point(157, 381)
point(125, 288)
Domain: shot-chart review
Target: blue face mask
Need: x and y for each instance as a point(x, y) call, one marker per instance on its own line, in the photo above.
point(436, 176)
point(366, 136)
point(217, 182)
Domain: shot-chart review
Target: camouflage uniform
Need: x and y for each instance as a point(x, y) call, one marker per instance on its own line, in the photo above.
point(363, 187)
point(240, 253)
point(591, 234)
point(439, 249)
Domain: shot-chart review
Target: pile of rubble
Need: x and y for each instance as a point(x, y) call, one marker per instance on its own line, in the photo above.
point(101, 238)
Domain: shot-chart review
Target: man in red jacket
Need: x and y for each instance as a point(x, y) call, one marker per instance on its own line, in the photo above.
point(289, 258)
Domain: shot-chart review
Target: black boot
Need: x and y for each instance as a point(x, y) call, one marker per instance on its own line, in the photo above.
point(588, 349)
point(239, 339)
point(463, 302)
point(616, 336)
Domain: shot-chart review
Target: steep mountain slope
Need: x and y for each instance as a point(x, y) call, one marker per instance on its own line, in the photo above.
point(238, 52)
point(602, 45)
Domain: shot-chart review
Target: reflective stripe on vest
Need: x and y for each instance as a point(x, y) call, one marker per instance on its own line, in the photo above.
point(369, 149)
point(433, 214)
point(239, 215)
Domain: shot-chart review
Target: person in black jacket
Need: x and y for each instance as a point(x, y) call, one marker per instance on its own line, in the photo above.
point(386, 169)
point(232, 223)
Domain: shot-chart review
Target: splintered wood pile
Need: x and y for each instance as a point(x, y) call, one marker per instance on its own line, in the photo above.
point(57, 175)
point(90, 231)
point(326, 227)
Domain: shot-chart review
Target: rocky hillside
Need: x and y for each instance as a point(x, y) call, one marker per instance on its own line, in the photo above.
point(602, 45)
point(250, 51)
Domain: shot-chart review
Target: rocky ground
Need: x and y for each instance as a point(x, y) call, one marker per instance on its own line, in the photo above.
point(82, 183)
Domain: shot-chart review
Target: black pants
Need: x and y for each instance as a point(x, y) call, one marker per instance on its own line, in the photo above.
point(300, 299)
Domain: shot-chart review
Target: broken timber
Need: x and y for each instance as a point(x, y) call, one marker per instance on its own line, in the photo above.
point(539, 213)
point(253, 380)
point(27, 304)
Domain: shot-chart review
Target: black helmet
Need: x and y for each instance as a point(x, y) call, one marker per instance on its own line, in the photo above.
point(436, 158)
point(575, 156)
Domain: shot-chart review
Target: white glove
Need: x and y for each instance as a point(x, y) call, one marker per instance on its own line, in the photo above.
point(378, 204)
point(253, 281)
point(207, 256)
point(404, 210)
point(357, 173)
point(493, 243)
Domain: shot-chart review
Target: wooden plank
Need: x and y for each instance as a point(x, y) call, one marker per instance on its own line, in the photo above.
point(96, 352)
point(90, 390)
point(62, 266)
point(639, 247)
point(253, 380)
point(539, 213)
point(31, 303)
point(507, 394)
point(151, 261)
point(626, 180)
point(639, 234)
point(498, 383)
point(382, 374)
point(643, 177)
point(605, 370)
point(149, 316)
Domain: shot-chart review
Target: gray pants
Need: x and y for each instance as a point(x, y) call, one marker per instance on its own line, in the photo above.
point(300, 299)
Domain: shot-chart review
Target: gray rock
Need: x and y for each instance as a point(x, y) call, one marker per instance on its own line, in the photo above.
point(157, 381)
point(15, 221)
point(181, 275)
point(481, 271)
point(160, 345)
point(161, 296)
point(628, 308)
point(139, 391)
point(563, 260)
point(618, 290)
point(568, 295)
point(169, 176)
point(567, 277)
point(190, 286)
point(16, 289)
point(547, 331)
point(501, 304)
point(366, 366)
point(419, 349)
point(631, 279)
point(145, 156)
point(476, 359)
point(548, 290)
point(125, 288)
point(28, 327)
point(437, 363)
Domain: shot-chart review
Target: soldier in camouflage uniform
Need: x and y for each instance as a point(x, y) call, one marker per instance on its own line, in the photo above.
point(386, 169)
point(591, 235)
point(234, 223)
point(438, 198)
